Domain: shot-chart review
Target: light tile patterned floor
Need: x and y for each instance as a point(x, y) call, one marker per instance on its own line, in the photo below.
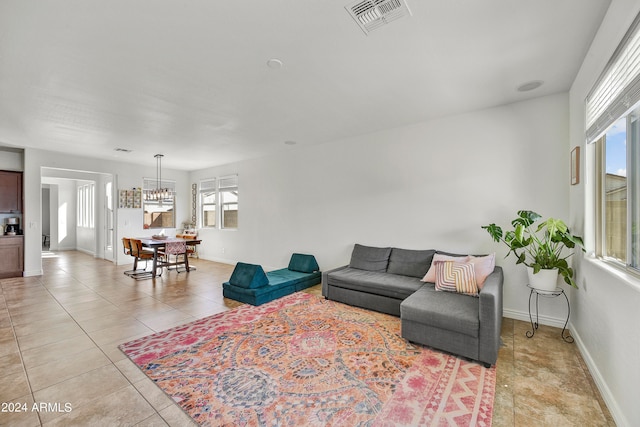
point(59, 335)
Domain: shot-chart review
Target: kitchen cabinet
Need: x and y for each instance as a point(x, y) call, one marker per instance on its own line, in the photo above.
point(10, 192)
point(11, 256)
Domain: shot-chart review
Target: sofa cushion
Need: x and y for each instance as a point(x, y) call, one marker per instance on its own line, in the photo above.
point(286, 276)
point(457, 277)
point(410, 263)
point(444, 310)
point(370, 258)
point(372, 282)
point(303, 263)
point(431, 274)
point(249, 276)
point(256, 296)
point(484, 266)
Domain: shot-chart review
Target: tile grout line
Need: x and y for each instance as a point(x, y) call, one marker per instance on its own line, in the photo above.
point(128, 380)
point(24, 368)
point(61, 304)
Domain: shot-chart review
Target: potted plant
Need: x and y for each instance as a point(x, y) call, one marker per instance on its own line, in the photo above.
point(541, 248)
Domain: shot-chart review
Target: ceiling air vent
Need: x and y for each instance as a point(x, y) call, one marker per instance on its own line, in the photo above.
point(373, 14)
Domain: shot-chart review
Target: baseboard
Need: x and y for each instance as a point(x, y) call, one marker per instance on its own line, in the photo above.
point(84, 251)
point(542, 319)
point(220, 260)
point(605, 392)
point(32, 273)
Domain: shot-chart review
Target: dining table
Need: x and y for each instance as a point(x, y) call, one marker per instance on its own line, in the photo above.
point(156, 243)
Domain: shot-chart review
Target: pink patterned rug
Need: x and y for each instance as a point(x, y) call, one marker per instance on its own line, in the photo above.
point(306, 361)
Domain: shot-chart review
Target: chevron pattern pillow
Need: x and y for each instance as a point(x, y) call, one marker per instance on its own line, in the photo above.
point(457, 277)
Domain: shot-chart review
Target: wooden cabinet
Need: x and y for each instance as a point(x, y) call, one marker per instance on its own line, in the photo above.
point(11, 256)
point(10, 192)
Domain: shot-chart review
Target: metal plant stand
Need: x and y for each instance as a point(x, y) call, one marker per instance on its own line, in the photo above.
point(548, 294)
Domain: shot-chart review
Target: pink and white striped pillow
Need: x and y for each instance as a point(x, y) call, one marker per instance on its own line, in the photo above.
point(457, 277)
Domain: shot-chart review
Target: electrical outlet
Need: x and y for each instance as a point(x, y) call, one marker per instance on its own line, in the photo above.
point(223, 250)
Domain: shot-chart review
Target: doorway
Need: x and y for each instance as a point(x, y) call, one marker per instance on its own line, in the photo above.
point(78, 209)
point(109, 213)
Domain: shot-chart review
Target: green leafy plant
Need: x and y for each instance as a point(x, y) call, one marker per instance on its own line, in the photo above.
point(539, 246)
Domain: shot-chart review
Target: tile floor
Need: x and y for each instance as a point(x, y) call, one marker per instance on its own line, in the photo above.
point(59, 335)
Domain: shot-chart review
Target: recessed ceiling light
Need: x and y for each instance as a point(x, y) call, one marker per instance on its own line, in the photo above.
point(526, 87)
point(274, 63)
point(290, 142)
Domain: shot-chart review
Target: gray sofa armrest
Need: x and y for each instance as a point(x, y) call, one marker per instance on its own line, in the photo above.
point(491, 316)
point(325, 278)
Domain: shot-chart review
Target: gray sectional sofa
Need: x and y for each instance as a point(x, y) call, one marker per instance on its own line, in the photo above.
point(388, 280)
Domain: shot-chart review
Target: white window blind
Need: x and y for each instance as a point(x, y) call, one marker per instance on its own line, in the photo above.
point(208, 185)
point(618, 88)
point(229, 182)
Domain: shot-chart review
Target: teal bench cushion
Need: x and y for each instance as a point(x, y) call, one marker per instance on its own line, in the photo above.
point(249, 276)
point(250, 284)
point(257, 296)
point(303, 263)
point(299, 280)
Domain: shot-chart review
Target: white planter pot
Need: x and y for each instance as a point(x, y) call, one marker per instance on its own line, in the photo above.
point(543, 280)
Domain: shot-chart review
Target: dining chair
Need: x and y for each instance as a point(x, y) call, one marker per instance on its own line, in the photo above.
point(140, 254)
point(177, 249)
point(126, 246)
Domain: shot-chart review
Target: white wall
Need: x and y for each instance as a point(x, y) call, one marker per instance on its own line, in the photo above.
point(606, 308)
point(66, 209)
point(430, 185)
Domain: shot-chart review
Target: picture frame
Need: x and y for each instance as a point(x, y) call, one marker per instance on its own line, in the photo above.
point(575, 165)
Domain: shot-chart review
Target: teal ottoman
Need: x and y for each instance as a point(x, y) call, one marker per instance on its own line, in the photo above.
point(250, 284)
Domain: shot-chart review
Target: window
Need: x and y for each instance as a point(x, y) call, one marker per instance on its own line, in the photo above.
point(208, 203)
point(219, 202)
point(85, 205)
point(229, 201)
point(159, 203)
point(613, 110)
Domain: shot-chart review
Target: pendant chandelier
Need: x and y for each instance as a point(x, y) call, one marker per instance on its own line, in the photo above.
point(160, 193)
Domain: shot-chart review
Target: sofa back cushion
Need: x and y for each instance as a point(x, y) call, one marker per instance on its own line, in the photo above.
point(249, 276)
point(303, 263)
point(370, 258)
point(412, 263)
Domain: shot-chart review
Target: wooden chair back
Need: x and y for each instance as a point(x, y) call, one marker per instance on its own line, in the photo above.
point(126, 244)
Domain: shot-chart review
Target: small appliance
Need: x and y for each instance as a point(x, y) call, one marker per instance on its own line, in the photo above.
point(13, 227)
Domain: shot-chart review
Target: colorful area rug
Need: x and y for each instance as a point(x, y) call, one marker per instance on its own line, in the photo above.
point(306, 361)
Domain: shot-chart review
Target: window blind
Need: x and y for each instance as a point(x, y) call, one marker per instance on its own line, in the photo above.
point(229, 182)
point(618, 88)
point(208, 185)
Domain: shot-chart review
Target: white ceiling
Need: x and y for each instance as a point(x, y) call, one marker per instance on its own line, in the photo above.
point(189, 78)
